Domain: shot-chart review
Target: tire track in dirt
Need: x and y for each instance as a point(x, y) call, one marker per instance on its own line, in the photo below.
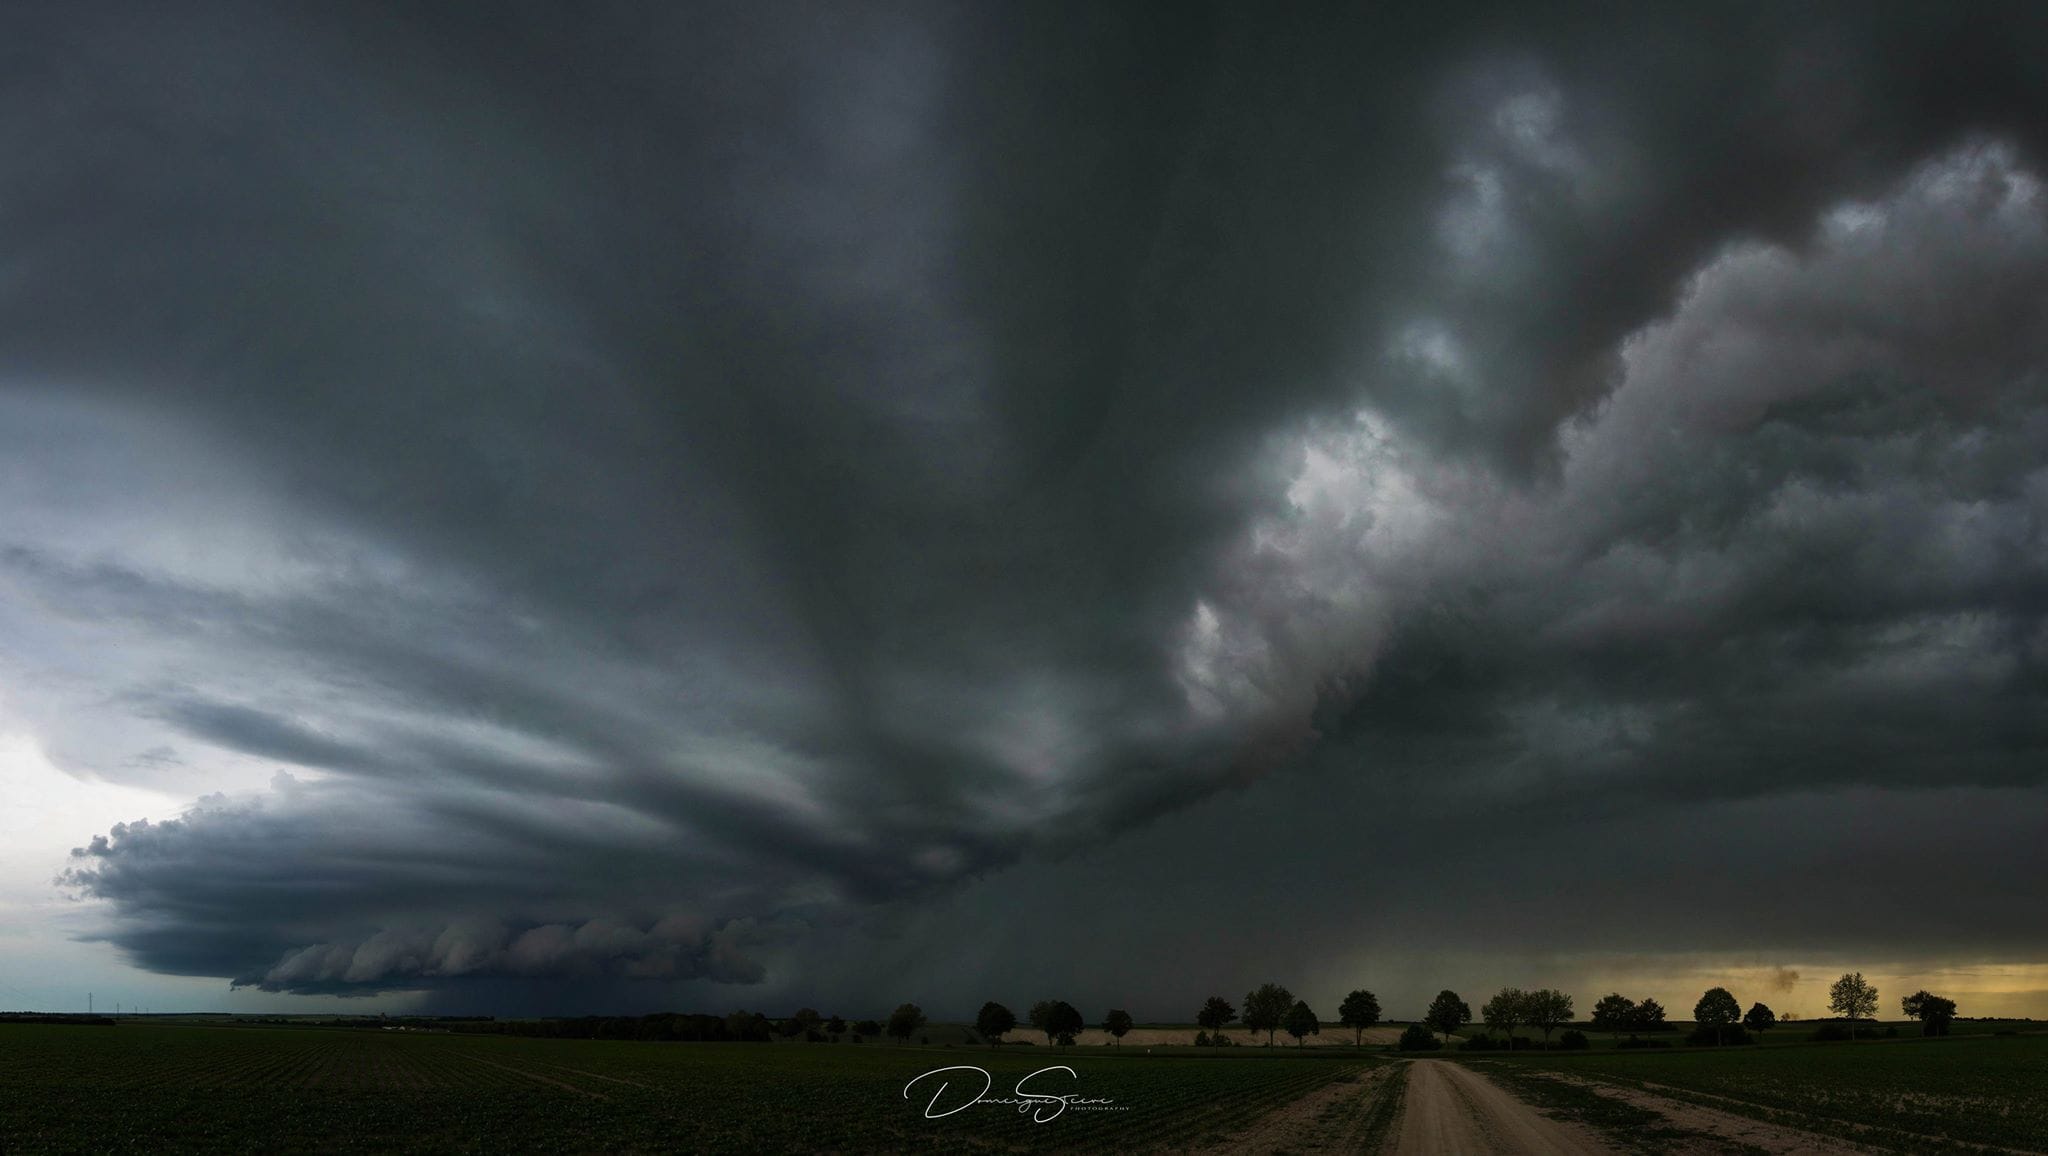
point(1743, 1133)
point(1337, 1117)
point(1450, 1108)
point(563, 1084)
point(1775, 1133)
point(596, 1075)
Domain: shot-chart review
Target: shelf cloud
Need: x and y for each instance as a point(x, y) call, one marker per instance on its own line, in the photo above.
point(694, 504)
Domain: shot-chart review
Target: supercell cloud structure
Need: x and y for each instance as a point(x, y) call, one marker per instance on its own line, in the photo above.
point(653, 499)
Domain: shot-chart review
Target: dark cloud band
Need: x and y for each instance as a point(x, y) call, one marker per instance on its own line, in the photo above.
point(671, 485)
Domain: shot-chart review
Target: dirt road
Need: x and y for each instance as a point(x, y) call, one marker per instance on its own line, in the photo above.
point(1450, 1108)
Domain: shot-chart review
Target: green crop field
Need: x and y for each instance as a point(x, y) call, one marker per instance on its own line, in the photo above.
point(1908, 1093)
point(159, 1087)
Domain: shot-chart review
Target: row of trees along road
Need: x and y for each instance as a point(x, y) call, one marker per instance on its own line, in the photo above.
point(1268, 1008)
point(1271, 1008)
point(1545, 1009)
point(1058, 1019)
point(1616, 1013)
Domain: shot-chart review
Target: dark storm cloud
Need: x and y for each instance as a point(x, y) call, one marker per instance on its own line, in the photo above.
point(309, 880)
point(679, 476)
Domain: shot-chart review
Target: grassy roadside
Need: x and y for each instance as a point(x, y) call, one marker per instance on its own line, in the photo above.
point(1875, 1136)
point(1961, 1094)
point(1628, 1127)
point(1371, 1118)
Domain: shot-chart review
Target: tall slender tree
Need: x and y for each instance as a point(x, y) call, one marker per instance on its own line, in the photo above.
point(1852, 999)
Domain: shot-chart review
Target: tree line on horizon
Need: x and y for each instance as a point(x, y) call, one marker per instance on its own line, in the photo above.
point(1718, 1018)
point(1271, 1008)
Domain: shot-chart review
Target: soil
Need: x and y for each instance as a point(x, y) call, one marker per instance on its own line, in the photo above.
point(1450, 1108)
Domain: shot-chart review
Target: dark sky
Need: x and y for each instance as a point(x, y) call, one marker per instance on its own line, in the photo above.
point(713, 505)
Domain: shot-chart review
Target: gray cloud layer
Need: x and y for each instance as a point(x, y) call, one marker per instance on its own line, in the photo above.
point(678, 489)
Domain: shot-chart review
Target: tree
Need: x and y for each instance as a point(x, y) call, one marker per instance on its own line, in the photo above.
point(1067, 1022)
point(835, 1027)
point(1215, 1013)
point(1447, 1013)
point(1057, 1019)
point(808, 1018)
point(1416, 1038)
point(1547, 1008)
point(1266, 1007)
point(1852, 999)
point(867, 1028)
point(1040, 1016)
point(1359, 1011)
point(1759, 1018)
point(1506, 1009)
point(789, 1029)
point(1117, 1023)
point(994, 1021)
point(1614, 1014)
point(905, 1021)
point(746, 1025)
point(1649, 1016)
point(1933, 1011)
point(1301, 1023)
point(1716, 1009)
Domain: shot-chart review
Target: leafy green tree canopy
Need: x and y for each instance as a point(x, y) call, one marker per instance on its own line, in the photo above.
point(1447, 1013)
point(1505, 1010)
point(1649, 1016)
point(1852, 998)
point(994, 1022)
point(1215, 1013)
point(1359, 1011)
point(1117, 1023)
point(1058, 1019)
point(1547, 1009)
point(905, 1021)
point(1716, 1007)
point(1934, 1012)
point(1759, 1018)
point(1301, 1022)
point(1265, 1007)
point(1614, 1014)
